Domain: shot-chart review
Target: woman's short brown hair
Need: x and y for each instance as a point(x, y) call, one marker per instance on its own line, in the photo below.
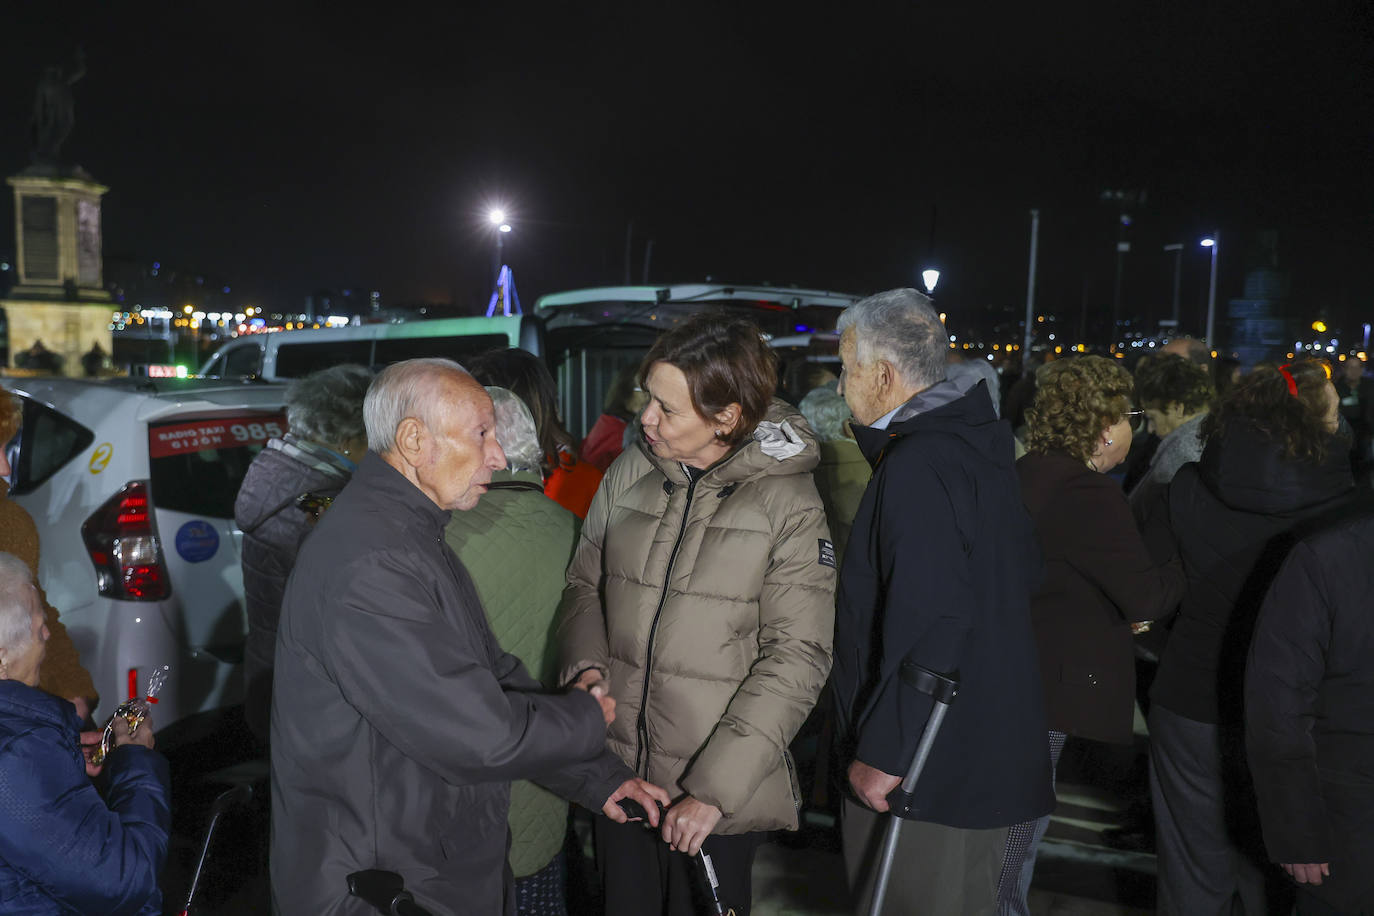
point(1075, 400)
point(1294, 416)
point(726, 361)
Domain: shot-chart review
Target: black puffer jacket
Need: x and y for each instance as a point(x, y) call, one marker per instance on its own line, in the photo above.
point(1309, 698)
point(1234, 515)
point(272, 527)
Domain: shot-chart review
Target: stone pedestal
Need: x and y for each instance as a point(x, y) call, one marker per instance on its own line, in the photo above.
point(60, 298)
point(67, 329)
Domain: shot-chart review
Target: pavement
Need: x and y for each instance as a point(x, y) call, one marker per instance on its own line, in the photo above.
point(1077, 872)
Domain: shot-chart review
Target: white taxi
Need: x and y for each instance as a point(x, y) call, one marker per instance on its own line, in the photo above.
point(131, 483)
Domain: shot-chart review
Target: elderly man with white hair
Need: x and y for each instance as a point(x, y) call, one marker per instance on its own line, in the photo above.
point(398, 722)
point(938, 575)
point(64, 849)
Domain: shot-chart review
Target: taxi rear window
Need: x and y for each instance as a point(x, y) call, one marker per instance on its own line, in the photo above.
point(197, 464)
point(46, 441)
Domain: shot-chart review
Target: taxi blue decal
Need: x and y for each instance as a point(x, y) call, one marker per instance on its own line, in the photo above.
point(197, 541)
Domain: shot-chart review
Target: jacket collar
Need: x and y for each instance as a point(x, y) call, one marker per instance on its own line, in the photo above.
point(873, 441)
point(31, 703)
point(385, 484)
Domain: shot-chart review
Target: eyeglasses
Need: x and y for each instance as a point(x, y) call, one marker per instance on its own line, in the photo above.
point(1136, 417)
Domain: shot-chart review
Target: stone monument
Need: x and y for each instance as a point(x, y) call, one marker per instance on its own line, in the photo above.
point(59, 309)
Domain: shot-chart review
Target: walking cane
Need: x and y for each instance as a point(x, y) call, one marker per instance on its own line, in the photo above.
point(635, 811)
point(943, 689)
point(235, 795)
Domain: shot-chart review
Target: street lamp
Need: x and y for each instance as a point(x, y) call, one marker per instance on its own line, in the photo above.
point(1212, 242)
point(1177, 249)
point(930, 276)
point(497, 217)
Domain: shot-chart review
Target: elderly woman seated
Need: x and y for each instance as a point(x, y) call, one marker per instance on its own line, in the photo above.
point(64, 849)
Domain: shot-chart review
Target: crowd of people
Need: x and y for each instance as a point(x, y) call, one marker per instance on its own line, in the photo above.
point(462, 621)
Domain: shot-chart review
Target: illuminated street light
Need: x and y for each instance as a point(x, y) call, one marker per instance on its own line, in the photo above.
point(1213, 243)
point(930, 276)
point(497, 217)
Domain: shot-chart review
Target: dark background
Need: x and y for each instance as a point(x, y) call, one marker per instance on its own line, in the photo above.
point(282, 151)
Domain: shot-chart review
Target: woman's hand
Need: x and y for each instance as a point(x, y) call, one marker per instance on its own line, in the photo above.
point(592, 682)
point(687, 824)
point(143, 737)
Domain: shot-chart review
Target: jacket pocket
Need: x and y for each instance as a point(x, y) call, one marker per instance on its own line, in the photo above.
point(1077, 676)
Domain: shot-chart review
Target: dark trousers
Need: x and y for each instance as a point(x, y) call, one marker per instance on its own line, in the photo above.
point(642, 876)
point(1207, 832)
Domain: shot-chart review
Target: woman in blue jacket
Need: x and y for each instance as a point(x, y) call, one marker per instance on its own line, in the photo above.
point(64, 849)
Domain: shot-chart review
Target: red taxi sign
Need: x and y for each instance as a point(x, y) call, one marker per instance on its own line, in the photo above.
point(214, 433)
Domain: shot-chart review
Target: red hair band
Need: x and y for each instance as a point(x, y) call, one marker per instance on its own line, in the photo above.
point(1288, 377)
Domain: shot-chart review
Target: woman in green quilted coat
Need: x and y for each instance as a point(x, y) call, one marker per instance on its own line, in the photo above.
point(516, 543)
point(702, 589)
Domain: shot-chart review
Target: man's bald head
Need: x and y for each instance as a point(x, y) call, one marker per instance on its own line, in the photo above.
point(1190, 348)
point(421, 388)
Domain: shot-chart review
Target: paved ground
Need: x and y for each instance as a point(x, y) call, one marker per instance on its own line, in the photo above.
point(1076, 874)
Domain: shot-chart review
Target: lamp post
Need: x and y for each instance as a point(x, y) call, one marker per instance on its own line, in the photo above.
point(498, 220)
point(1177, 249)
point(930, 276)
point(1212, 242)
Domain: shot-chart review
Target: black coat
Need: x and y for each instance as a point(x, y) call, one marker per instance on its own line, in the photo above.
point(1309, 700)
point(939, 571)
point(1233, 515)
point(1099, 578)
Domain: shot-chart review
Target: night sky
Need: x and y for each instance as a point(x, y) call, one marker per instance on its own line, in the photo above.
point(287, 152)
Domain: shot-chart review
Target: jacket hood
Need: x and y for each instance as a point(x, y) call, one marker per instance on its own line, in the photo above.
point(783, 443)
point(1247, 471)
point(943, 408)
point(278, 474)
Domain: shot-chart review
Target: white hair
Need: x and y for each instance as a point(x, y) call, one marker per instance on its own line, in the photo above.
point(16, 622)
point(826, 411)
point(902, 327)
point(404, 389)
point(327, 406)
point(515, 430)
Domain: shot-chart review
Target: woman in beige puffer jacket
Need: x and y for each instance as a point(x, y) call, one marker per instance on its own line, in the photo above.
point(702, 589)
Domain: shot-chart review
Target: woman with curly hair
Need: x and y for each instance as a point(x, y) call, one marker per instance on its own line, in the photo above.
point(1273, 468)
point(1101, 582)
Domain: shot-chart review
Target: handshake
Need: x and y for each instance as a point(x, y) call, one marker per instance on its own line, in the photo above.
point(595, 683)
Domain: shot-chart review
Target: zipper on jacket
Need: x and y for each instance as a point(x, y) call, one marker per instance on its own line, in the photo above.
point(642, 754)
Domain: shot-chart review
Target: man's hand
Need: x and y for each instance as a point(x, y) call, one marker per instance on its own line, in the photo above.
point(687, 824)
point(1309, 872)
point(89, 742)
point(641, 790)
point(872, 785)
point(592, 682)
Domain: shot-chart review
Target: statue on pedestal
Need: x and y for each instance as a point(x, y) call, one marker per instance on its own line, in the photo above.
point(53, 111)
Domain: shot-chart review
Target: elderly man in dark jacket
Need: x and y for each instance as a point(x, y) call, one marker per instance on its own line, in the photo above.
point(939, 574)
point(1309, 719)
point(397, 721)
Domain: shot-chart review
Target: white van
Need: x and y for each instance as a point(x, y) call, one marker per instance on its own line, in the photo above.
point(293, 354)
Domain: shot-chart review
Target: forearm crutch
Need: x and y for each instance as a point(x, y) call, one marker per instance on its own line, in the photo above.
point(943, 689)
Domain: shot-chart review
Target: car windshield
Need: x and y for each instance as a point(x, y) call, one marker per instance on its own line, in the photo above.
point(198, 464)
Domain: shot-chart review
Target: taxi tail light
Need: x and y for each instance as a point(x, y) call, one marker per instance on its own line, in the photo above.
point(121, 538)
